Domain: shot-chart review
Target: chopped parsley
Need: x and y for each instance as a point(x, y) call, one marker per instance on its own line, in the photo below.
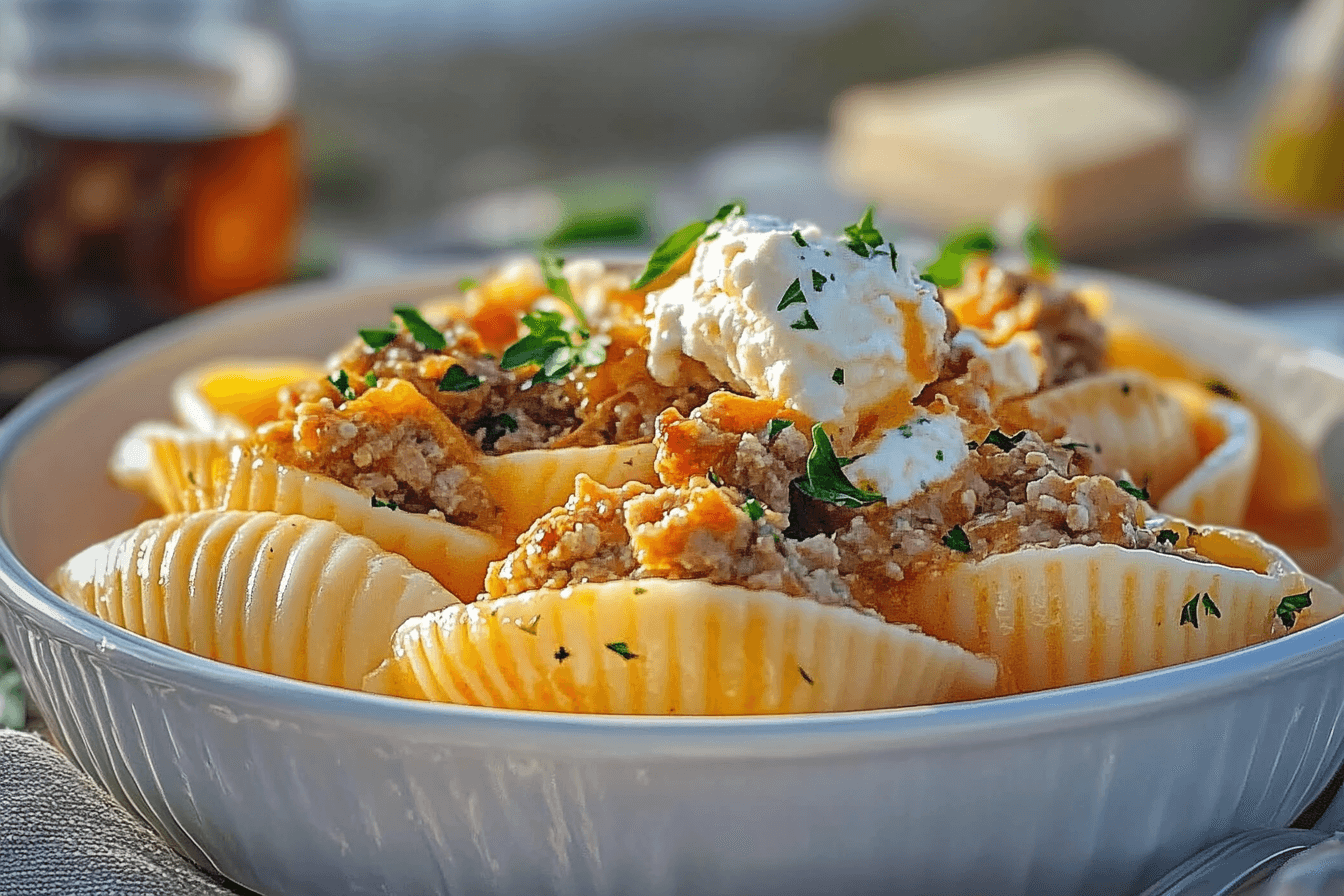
point(370, 379)
point(467, 283)
point(1167, 536)
point(891, 248)
point(456, 379)
point(1039, 249)
point(777, 426)
point(552, 347)
point(863, 237)
point(1218, 387)
point(1290, 606)
point(905, 430)
point(1004, 442)
point(191, 476)
point(754, 509)
point(561, 654)
point(825, 479)
point(945, 270)
point(496, 426)
point(1124, 388)
point(798, 238)
point(1132, 489)
point(374, 502)
point(342, 383)
point(676, 245)
point(530, 626)
point(818, 281)
point(622, 650)
point(1074, 446)
point(714, 477)
point(938, 455)
point(639, 590)
point(805, 322)
point(377, 337)
point(552, 269)
point(803, 672)
point(1190, 609)
point(838, 376)
point(792, 296)
point(421, 330)
point(957, 540)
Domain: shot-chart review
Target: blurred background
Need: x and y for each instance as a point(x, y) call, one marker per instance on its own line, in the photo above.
point(160, 155)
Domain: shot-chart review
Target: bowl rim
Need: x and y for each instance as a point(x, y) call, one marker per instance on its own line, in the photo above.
point(243, 690)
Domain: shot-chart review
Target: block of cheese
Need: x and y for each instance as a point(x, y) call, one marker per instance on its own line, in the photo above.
point(1094, 150)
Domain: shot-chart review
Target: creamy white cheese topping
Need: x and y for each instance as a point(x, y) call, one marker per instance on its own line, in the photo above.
point(1015, 368)
point(875, 321)
point(911, 457)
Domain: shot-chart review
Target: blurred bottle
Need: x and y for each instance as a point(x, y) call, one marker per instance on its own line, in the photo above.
point(1297, 146)
point(149, 164)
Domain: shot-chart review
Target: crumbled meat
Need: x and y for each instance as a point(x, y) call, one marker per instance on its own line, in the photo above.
point(695, 531)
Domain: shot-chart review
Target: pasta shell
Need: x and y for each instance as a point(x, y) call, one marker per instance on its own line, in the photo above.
point(236, 395)
point(526, 484)
point(1218, 489)
point(455, 555)
point(1141, 429)
point(664, 646)
point(172, 466)
point(282, 594)
point(1078, 613)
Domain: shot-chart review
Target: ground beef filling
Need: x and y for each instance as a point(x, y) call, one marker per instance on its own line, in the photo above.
point(696, 531)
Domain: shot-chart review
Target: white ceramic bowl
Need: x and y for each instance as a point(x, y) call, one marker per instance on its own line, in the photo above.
point(295, 789)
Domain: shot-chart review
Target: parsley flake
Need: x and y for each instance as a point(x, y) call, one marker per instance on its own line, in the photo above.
point(374, 502)
point(1190, 609)
point(552, 269)
point(805, 322)
point(792, 296)
point(370, 379)
point(938, 455)
point(957, 540)
point(945, 270)
point(838, 376)
point(1039, 249)
point(803, 672)
point(552, 347)
point(1290, 606)
point(670, 250)
point(754, 509)
point(467, 283)
point(798, 238)
point(530, 626)
point(905, 430)
point(621, 649)
point(561, 654)
point(825, 480)
point(1167, 536)
point(1124, 388)
point(714, 478)
point(456, 379)
point(1004, 442)
point(342, 383)
point(639, 590)
point(421, 330)
point(777, 426)
point(191, 476)
point(1218, 387)
point(863, 237)
point(496, 426)
point(818, 281)
point(377, 337)
point(1132, 489)
point(1074, 446)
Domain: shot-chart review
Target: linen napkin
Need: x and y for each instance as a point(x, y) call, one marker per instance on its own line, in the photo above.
point(61, 835)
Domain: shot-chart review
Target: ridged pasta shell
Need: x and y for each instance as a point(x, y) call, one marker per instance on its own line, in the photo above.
point(1218, 489)
point(172, 466)
point(288, 595)
point(455, 555)
point(1140, 427)
point(663, 646)
point(526, 484)
point(236, 395)
point(1073, 614)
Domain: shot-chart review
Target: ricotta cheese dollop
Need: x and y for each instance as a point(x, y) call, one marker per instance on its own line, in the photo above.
point(907, 459)
point(789, 313)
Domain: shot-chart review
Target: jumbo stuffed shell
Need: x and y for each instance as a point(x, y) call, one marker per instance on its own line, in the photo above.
point(234, 396)
point(455, 555)
point(526, 484)
point(283, 594)
point(1218, 489)
point(663, 646)
point(1079, 613)
point(172, 466)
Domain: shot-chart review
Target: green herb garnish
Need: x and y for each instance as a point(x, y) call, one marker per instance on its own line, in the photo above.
point(467, 283)
point(495, 426)
point(1074, 446)
point(531, 626)
point(374, 502)
point(370, 379)
point(1218, 387)
point(1004, 442)
point(1290, 606)
point(838, 376)
point(676, 245)
point(561, 654)
point(945, 270)
point(621, 649)
point(1040, 251)
point(1190, 609)
point(421, 330)
point(805, 322)
point(825, 479)
point(863, 237)
point(456, 379)
point(818, 281)
point(552, 269)
point(792, 296)
point(714, 478)
point(777, 426)
point(755, 509)
point(1132, 489)
point(957, 540)
point(639, 590)
point(377, 337)
point(938, 455)
point(342, 383)
point(1168, 536)
point(552, 347)
point(798, 238)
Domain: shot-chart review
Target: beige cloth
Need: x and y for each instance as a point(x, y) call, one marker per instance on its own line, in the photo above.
point(61, 835)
